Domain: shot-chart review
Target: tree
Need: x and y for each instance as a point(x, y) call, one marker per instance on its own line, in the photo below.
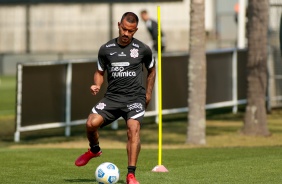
point(196, 131)
point(255, 122)
point(280, 34)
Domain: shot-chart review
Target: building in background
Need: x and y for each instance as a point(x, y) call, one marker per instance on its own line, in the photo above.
point(81, 28)
point(59, 31)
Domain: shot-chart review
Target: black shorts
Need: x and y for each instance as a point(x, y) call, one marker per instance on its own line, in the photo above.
point(111, 110)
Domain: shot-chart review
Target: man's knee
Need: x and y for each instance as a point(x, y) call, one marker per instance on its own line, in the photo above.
point(133, 127)
point(94, 121)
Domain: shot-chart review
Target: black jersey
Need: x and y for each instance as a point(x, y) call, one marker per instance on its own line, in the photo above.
point(124, 66)
point(152, 27)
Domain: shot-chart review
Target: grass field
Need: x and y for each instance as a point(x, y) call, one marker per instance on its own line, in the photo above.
point(7, 95)
point(47, 156)
point(201, 165)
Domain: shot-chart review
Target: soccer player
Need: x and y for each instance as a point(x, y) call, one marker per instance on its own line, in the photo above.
point(152, 27)
point(123, 59)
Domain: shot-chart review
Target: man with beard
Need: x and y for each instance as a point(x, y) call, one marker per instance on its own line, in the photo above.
point(123, 59)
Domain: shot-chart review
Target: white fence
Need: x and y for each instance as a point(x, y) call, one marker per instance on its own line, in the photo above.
point(55, 94)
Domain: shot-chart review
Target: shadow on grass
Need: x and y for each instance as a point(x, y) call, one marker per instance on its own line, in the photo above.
point(80, 180)
point(226, 114)
point(86, 181)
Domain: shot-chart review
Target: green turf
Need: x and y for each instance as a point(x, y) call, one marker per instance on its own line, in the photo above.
point(201, 165)
point(7, 95)
point(257, 164)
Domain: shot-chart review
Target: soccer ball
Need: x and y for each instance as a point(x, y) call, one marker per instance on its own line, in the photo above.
point(107, 173)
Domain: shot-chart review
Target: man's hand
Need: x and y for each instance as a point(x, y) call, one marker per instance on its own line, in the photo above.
point(94, 89)
point(148, 99)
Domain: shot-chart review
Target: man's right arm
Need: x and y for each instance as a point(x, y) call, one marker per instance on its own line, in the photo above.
point(98, 81)
point(98, 78)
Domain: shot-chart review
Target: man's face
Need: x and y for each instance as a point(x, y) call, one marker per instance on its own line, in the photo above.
point(144, 16)
point(126, 32)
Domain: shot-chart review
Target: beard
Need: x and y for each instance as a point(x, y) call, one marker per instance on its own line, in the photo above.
point(124, 40)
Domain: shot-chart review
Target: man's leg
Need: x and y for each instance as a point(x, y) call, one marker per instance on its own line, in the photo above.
point(133, 149)
point(93, 123)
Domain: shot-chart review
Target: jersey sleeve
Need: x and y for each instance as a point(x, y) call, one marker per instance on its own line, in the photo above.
point(102, 60)
point(148, 59)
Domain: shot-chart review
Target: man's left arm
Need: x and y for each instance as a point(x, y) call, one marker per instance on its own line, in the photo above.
point(150, 84)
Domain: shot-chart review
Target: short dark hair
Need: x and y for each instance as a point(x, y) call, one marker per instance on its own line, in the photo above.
point(130, 17)
point(144, 11)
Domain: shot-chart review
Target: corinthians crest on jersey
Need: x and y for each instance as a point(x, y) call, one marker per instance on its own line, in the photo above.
point(134, 53)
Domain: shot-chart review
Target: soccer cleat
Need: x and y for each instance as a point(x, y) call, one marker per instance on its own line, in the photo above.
point(84, 158)
point(130, 179)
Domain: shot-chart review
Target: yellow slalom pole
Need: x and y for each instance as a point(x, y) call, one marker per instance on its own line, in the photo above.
point(160, 88)
point(160, 167)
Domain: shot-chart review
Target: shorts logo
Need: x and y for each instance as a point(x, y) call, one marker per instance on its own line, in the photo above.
point(137, 106)
point(101, 106)
point(134, 53)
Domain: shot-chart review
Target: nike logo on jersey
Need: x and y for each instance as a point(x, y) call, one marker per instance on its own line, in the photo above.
point(112, 53)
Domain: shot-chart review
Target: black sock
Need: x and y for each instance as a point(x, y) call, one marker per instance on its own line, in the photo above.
point(131, 169)
point(95, 148)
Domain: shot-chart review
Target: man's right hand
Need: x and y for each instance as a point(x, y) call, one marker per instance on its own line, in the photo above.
point(94, 89)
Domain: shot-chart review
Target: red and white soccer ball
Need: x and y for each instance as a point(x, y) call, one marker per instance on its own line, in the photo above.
point(107, 173)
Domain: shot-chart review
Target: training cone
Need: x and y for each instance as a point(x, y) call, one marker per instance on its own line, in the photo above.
point(159, 168)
